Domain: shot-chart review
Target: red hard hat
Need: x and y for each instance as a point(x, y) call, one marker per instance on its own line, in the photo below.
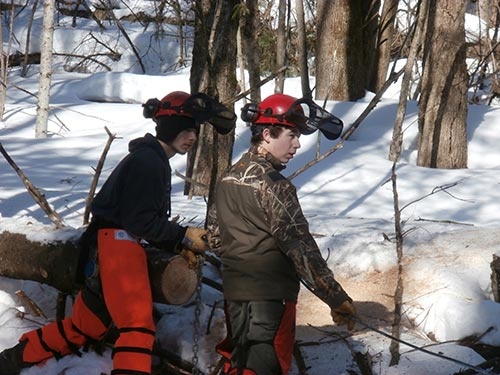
point(273, 107)
point(172, 105)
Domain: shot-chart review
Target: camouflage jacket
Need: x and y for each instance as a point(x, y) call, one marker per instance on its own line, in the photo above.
point(263, 238)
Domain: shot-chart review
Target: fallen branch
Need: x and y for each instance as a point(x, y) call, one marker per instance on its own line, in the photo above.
point(34, 192)
point(299, 359)
point(190, 180)
point(97, 174)
point(34, 309)
point(218, 367)
point(444, 221)
point(437, 189)
point(363, 361)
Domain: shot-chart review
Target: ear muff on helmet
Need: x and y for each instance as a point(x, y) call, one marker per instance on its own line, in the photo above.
point(150, 107)
point(199, 106)
point(250, 112)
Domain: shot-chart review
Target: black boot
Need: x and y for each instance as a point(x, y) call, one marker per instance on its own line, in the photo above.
point(11, 360)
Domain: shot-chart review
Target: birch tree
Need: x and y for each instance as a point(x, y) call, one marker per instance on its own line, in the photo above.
point(42, 112)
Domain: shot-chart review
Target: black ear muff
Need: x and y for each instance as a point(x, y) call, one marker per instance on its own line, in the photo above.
point(150, 107)
point(250, 113)
point(331, 127)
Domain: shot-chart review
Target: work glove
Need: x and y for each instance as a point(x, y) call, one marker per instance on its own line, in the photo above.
point(194, 260)
point(344, 314)
point(195, 239)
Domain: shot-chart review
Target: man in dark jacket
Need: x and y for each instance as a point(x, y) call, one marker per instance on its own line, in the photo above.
point(264, 240)
point(133, 205)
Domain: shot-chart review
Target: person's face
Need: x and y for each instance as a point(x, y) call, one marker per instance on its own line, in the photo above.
point(184, 141)
point(284, 147)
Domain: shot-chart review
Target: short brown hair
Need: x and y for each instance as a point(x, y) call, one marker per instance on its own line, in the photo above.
point(274, 131)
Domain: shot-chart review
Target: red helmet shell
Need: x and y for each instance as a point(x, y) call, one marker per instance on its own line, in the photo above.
point(273, 106)
point(172, 105)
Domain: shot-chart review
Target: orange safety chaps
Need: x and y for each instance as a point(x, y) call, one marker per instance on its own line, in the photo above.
point(127, 303)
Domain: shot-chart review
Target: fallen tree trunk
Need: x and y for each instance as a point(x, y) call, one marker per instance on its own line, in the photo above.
point(55, 264)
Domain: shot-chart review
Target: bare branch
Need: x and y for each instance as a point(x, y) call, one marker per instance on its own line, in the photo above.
point(436, 189)
point(34, 192)
point(97, 174)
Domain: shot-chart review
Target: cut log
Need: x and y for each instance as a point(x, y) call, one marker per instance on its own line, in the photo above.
point(172, 281)
point(55, 264)
point(52, 264)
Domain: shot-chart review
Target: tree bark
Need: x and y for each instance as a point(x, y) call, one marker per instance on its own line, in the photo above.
point(55, 264)
point(302, 48)
point(414, 50)
point(489, 11)
point(370, 26)
point(25, 62)
point(213, 71)
point(281, 33)
point(443, 103)
point(385, 37)
point(495, 277)
point(340, 50)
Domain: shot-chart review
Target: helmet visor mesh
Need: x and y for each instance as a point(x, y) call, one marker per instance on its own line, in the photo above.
point(309, 117)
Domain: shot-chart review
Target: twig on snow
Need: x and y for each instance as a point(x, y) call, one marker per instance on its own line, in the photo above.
point(34, 192)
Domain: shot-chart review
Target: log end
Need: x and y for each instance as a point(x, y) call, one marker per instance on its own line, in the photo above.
point(178, 281)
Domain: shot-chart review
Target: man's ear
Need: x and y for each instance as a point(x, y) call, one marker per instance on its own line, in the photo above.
point(266, 135)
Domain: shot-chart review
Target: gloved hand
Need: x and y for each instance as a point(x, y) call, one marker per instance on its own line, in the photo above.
point(343, 314)
point(192, 259)
point(195, 239)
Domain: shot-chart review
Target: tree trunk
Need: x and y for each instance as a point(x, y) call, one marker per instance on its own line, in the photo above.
point(414, 50)
point(281, 38)
point(443, 102)
point(5, 58)
point(213, 71)
point(495, 277)
point(489, 11)
point(370, 26)
point(302, 48)
point(42, 112)
point(3, 74)
point(339, 50)
point(251, 47)
point(55, 264)
point(385, 37)
point(25, 62)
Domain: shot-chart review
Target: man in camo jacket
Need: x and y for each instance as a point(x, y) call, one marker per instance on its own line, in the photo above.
point(264, 242)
